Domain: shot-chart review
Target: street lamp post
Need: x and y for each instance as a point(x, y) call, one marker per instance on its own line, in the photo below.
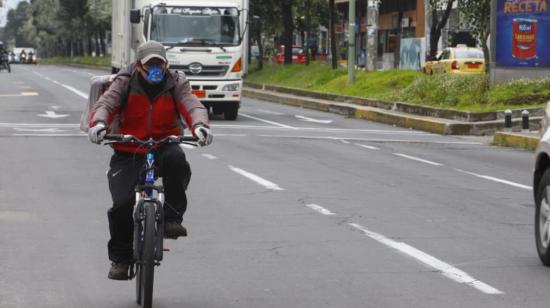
point(351, 43)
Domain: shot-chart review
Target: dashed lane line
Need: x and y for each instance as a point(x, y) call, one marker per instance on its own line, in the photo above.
point(490, 178)
point(370, 147)
point(257, 179)
point(444, 268)
point(209, 156)
point(320, 209)
point(265, 121)
point(417, 159)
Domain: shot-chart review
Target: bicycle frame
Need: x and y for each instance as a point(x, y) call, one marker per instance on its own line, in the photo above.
point(145, 195)
point(148, 214)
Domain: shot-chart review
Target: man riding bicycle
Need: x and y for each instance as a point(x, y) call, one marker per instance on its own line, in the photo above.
point(147, 101)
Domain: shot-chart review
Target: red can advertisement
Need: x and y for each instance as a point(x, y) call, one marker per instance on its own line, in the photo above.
point(524, 38)
point(522, 33)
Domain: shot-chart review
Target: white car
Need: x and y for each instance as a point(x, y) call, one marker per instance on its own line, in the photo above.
point(541, 190)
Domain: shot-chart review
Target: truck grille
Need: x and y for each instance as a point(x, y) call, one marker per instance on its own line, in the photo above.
point(207, 70)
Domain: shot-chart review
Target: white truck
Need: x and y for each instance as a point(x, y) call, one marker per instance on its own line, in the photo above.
point(205, 39)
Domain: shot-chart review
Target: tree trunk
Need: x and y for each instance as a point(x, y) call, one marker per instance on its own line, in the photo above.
point(97, 44)
point(438, 25)
point(102, 42)
point(260, 46)
point(308, 31)
point(332, 26)
point(485, 47)
point(288, 24)
point(397, 53)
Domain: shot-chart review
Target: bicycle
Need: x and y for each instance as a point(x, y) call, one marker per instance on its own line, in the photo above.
point(148, 217)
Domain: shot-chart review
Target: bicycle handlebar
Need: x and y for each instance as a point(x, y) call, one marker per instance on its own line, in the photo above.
point(118, 138)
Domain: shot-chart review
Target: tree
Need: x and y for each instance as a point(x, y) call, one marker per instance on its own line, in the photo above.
point(440, 11)
point(288, 26)
point(16, 19)
point(332, 29)
point(476, 15)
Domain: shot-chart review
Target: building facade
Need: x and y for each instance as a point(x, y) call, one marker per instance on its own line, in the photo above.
point(396, 22)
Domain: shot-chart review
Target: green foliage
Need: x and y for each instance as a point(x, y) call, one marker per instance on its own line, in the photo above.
point(322, 78)
point(520, 92)
point(60, 27)
point(95, 61)
point(448, 91)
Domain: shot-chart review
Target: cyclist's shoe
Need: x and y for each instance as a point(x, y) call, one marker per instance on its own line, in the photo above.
point(119, 271)
point(173, 230)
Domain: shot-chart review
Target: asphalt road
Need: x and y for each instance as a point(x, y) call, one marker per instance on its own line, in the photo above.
point(288, 208)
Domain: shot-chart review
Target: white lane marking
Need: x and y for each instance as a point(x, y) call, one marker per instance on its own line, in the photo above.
point(20, 94)
point(427, 141)
point(370, 147)
point(270, 112)
point(77, 92)
point(490, 178)
point(344, 141)
point(445, 269)
point(263, 182)
point(51, 135)
point(209, 156)
point(39, 125)
point(40, 130)
point(307, 119)
point(52, 115)
point(266, 121)
point(418, 159)
point(319, 209)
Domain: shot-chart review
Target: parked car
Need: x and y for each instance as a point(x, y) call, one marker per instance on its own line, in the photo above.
point(298, 55)
point(457, 60)
point(541, 190)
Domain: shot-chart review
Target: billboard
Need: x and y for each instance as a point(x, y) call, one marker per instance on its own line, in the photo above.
point(523, 33)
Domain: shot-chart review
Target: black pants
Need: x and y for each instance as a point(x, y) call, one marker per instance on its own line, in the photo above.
point(126, 170)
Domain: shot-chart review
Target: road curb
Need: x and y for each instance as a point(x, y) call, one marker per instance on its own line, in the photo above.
point(392, 117)
point(516, 140)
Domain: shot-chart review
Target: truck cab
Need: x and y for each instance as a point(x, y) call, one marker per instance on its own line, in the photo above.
point(206, 40)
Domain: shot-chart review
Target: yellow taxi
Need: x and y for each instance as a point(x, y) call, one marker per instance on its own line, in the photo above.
point(457, 60)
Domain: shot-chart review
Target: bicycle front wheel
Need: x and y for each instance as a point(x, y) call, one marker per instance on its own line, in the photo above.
point(148, 260)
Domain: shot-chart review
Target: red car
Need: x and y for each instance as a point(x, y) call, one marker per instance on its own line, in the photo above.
point(298, 55)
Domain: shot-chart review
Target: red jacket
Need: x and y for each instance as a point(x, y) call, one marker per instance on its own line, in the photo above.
point(144, 118)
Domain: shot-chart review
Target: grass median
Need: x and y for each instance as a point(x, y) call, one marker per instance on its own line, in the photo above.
point(92, 61)
point(458, 92)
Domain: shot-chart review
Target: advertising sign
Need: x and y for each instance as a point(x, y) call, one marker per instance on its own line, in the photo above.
point(523, 33)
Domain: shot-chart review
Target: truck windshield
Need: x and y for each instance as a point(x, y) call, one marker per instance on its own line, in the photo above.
point(217, 26)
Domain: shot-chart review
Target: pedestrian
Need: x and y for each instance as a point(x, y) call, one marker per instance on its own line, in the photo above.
point(149, 101)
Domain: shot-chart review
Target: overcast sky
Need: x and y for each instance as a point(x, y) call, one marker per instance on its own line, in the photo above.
point(8, 4)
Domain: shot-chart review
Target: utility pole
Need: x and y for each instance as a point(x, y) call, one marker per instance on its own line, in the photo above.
point(372, 34)
point(351, 43)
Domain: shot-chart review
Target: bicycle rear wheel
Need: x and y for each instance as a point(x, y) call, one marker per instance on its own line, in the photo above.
point(147, 267)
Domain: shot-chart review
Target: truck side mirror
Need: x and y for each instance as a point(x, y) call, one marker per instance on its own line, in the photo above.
point(135, 16)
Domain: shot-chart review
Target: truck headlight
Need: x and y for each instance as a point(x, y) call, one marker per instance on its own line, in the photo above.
point(231, 87)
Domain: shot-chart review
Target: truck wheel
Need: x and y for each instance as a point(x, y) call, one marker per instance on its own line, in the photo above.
point(231, 112)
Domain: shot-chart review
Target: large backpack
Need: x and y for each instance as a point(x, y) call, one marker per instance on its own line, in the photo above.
point(99, 85)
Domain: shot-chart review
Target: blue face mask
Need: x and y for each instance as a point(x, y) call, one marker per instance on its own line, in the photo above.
point(155, 74)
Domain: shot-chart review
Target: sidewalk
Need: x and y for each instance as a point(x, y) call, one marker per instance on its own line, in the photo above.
point(439, 121)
